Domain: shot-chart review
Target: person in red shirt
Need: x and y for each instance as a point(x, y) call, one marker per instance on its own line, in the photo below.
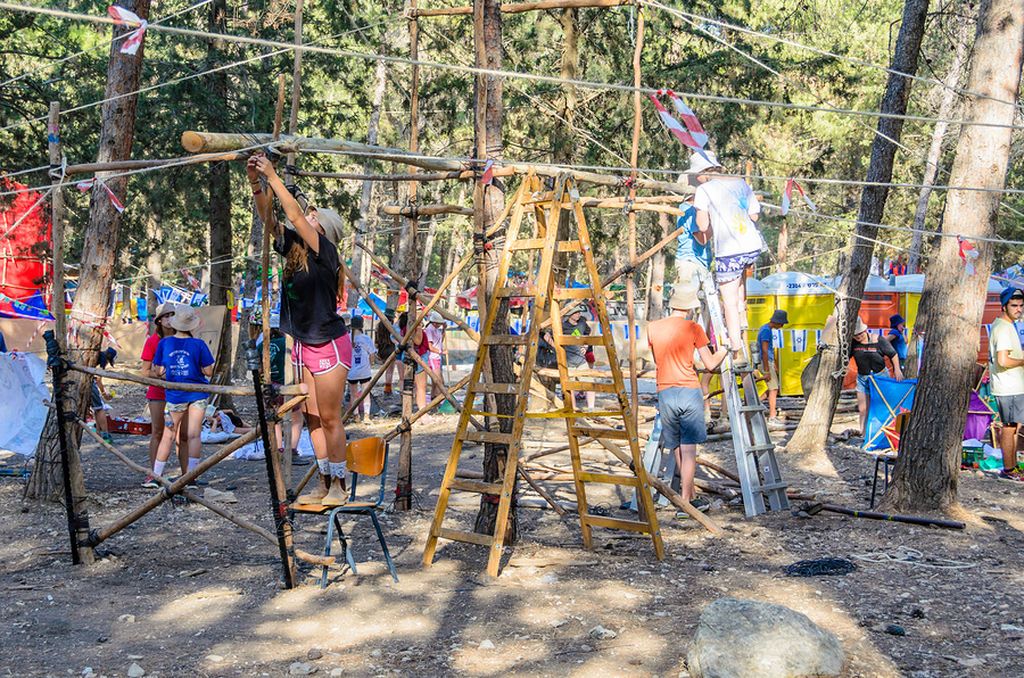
point(160, 437)
point(674, 341)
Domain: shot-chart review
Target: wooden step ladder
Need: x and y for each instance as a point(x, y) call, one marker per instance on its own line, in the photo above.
point(547, 209)
point(756, 463)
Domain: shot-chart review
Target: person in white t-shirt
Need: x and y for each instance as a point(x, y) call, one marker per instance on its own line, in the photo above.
point(1006, 370)
point(727, 213)
point(435, 338)
point(363, 351)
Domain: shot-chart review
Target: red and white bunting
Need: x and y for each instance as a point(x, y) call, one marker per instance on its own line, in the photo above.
point(787, 196)
point(123, 17)
point(688, 117)
point(86, 186)
point(969, 253)
point(677, 129)
point(488, 175)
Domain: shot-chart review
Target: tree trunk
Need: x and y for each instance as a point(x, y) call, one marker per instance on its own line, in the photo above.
point(656, 288)
point(931, 167)
point(361, 262)
point(489, 144)
point(928, 467)
point(783, 247)
point(812, 433)
point(221, 276)
point(154, 262)
point(99, 248)
point(562, 137)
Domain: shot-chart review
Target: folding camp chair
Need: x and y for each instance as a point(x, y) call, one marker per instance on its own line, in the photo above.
point(366, 457)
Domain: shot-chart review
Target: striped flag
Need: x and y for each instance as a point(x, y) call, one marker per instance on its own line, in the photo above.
point(969, 253)
point(787, 196)
point(124, 17)
point(488, 175)
point(676, 129)
point(688, 117)
point(86, 186)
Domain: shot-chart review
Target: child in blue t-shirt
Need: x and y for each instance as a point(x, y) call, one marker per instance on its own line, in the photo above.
point(184, 359)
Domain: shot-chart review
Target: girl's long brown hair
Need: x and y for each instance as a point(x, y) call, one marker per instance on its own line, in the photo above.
point(298, 258)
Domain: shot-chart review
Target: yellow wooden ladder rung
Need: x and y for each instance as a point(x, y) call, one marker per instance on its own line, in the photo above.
point(488, 437)
point(516, 292)
point(609, 479)
point(570, 340)
point(570, 246)
point(467, 537)
point(601, 433)
point(589, 374)
point(501, 389)
point(582, 386)
point(616, 523)
point(466, 485)
point(528, 244)
point(573, 293)
point(506, 339)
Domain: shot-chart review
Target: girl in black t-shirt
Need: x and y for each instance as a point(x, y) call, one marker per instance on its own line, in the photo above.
point(312, 283)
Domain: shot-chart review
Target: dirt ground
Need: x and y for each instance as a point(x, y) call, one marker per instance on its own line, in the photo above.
point(184, 593)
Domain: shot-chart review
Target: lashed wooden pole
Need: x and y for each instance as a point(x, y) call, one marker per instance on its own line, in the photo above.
point(60, 322)
point(631, 238)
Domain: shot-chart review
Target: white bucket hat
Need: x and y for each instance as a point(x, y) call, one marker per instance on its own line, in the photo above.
point(861, 326)
point(702, 163)
point(331, 222)
point(185, 319)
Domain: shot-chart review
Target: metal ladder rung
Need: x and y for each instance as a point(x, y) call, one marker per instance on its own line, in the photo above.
point(501, 389)
point(515, 292)
point(616, 523)
point(609, 479)
point(573, 293)
point(488, 437)
point(467, 485)
point(467, 537)
point(755, 449)
point(581, 386)
point(506, 339)
point(597, 432)
point(750, 409)
point(768, 487)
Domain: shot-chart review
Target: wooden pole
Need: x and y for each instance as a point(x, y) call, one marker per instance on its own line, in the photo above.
point(209, 142)
point(411, 212)
point(520, 7)
point(60, 320)
point(128, 165)
point(403, 493)
point(631, 238)
point(265, 254)
point(297, 389)
point(99, 536)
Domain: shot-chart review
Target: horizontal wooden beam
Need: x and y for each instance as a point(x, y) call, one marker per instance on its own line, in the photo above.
point(419, 176)
point(211, 142)
point(425, 210)
point(297, 389)
point(520, 7)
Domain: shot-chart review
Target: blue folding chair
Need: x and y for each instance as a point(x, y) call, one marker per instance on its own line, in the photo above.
point(366, 457)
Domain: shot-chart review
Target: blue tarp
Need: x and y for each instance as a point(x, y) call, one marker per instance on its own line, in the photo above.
point(887, 399)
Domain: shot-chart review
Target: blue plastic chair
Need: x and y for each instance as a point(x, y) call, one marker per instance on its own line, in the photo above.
point(366, 457)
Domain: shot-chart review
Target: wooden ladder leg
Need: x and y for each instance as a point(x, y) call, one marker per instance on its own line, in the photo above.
point(504, 506)
point(445, 492)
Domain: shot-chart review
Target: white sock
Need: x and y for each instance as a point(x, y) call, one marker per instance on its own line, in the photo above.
point(338, 469)
point(158, 468)
point(324, 466)
point(192, 463)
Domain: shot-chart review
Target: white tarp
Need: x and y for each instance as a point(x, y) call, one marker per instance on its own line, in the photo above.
point(22, 402)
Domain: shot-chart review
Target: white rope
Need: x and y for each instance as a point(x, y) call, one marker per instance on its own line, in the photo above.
point(904, 555)
point(587, 84)
point(793, 43)
point(161, 85)
point(48, 66)
point(31, 170)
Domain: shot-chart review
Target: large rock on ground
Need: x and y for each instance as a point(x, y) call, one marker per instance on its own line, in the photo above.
point(743, 638)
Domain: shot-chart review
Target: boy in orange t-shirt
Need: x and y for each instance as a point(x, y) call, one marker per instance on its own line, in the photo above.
point(674, 340)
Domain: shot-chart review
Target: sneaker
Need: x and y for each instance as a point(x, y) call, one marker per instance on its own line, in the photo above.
point(150, 483)
point(1014, 474)
point(107, 437)
point(776, 423)
point(298, 460)
point(700, 503)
